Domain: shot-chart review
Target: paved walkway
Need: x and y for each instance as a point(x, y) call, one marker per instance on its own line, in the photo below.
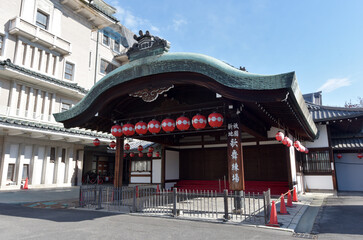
point(38, 195)
point(300, 219)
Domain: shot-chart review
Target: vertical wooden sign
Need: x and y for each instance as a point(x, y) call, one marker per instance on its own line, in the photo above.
point(235, 158)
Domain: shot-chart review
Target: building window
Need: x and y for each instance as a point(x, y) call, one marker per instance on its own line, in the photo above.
point(106, 40)
point(52, 155)
point(69, 71)
point(316, 161)
point(106, 67)
point(11, 168)
point(42, 20)
point(1, 44)
point(141, 166)
point(65, 106)
point(116, 46)
point(25, 172)
point(63, 155)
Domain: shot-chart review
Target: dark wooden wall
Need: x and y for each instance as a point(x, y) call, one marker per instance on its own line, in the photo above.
point(261, 163)
point(265, 163)
point(207, 164)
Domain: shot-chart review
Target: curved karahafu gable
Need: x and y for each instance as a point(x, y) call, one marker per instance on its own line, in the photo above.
point(218, 71)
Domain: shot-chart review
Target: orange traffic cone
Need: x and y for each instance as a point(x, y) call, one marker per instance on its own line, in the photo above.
point(273, 216)
point(157, 188)
point(294, 196)
point(282, 206)
point(289, 200)
point(26, 184)
point(137, 191)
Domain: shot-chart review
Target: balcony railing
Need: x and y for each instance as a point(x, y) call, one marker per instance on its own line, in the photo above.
point(34, 33)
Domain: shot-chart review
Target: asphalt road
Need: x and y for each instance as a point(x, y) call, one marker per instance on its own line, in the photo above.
point(18, 222)
point(342, 217)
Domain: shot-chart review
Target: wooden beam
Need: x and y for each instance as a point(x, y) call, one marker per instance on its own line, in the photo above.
point(119, 157)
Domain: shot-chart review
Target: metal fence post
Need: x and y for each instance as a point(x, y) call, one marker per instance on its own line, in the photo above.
point(134, 207)
point(81, 204)
point(174, 201)
point(226, 216)
point(99, 198)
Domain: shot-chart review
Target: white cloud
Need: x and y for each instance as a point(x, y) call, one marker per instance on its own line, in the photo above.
point(132, 22)
point(334, 83)
point(177, 23)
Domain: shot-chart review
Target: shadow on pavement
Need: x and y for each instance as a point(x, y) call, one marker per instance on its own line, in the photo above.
point(56, 215)
point(342, 215)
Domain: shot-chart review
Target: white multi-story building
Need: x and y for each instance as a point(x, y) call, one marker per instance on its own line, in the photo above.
point(51, 53)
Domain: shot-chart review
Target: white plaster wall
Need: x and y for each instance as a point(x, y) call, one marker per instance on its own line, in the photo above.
point(272, 132)
point(140, 180)
point(38, 166)
point(319, 182)
point(156, 173)
point(171, 165)
point(322, 141)
point(10, 156)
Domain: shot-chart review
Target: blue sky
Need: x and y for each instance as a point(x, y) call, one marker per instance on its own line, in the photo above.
point(321, 40)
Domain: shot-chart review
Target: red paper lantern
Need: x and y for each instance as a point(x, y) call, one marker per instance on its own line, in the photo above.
point(289, 143)
point(306, 150)
point(149, 154)
point(279, 136)
point(127, 147)
point(151, 149)
point(182, 123)
point(125, 155)
point(132, 154)
point(96, 142)
point(141, 128)
point(154, 126)
point(168, 125)
point(140, 148)
point(157, 154)
point(302, 148)
point(360, 155)
point(215, 120)
point(141, 154)
point(199, 121)
point(297, 144)
point(112, 144)
point(116, 130)
point(285, 140)
point(339, 156)
point(128, 129)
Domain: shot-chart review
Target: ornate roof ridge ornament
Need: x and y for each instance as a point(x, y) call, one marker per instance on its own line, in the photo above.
point(147, 45)
point(149, 94)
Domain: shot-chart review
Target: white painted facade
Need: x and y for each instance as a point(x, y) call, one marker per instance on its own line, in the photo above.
point(50, 69)
point(318, 182)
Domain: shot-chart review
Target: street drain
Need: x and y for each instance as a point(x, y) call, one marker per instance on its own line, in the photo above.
point(305, 235)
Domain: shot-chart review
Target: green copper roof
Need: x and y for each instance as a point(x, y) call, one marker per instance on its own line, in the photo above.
point(197, 63)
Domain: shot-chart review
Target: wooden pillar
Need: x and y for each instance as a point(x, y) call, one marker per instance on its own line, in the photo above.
point(235, 154)
point(119, 157)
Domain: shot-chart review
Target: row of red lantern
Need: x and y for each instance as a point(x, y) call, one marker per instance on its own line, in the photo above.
point(359, 155)
point(182, 123)
point(288, 142)
point(140, 154)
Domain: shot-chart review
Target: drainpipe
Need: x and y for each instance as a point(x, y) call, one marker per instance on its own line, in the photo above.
point(96, 58)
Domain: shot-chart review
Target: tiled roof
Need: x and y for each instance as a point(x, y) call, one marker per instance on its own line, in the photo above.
point(52, 128)
point(74, 86)
point(347, 143)
point(325, 113)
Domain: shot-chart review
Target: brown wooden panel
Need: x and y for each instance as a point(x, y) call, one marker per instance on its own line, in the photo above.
point(265, 163)
point(207, 164)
